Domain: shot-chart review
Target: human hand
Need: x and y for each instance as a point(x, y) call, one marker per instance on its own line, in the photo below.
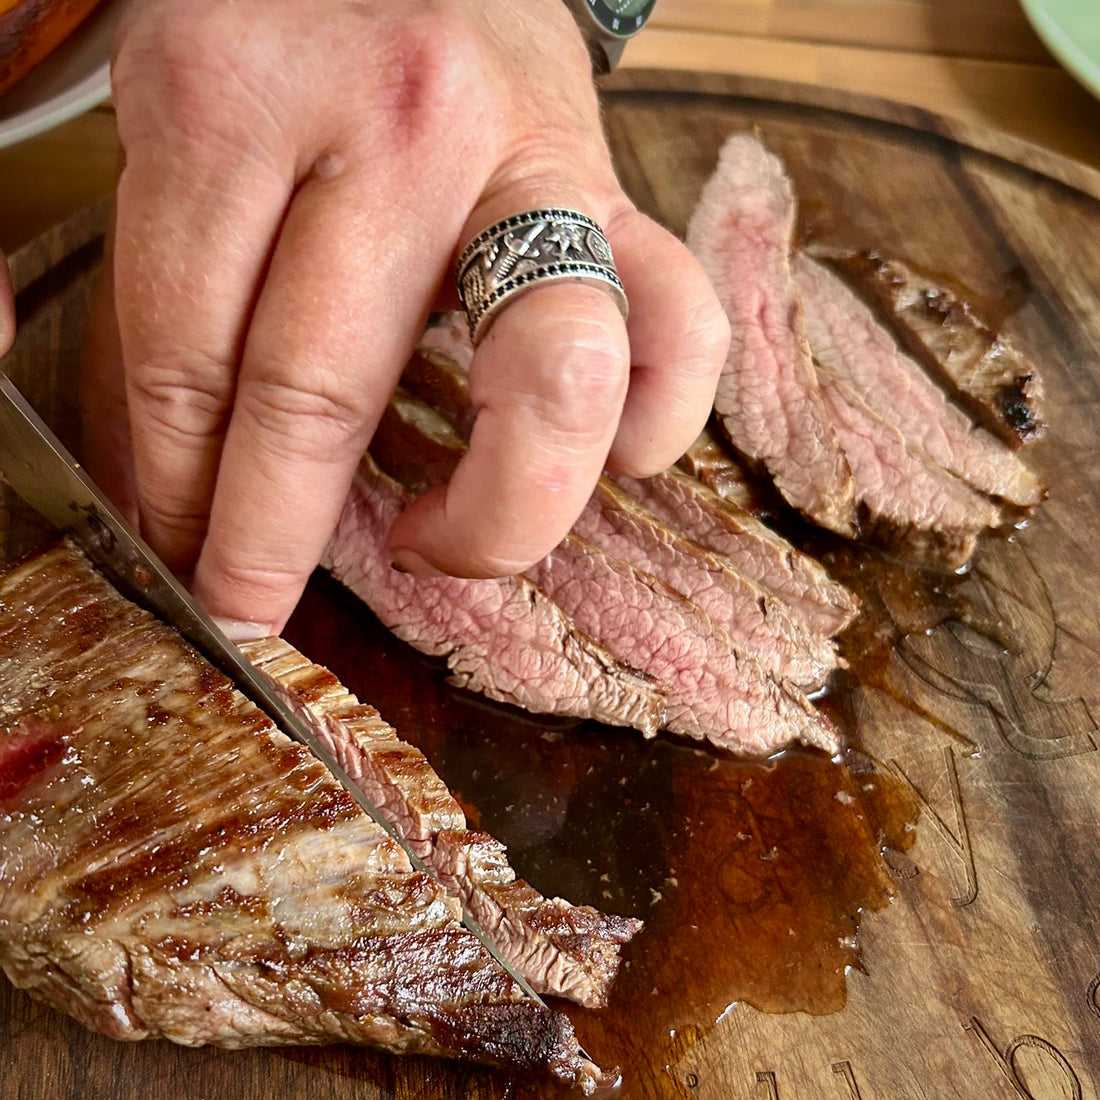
point(299, 177)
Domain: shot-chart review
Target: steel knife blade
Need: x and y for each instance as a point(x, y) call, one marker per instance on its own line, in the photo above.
point(35, 463)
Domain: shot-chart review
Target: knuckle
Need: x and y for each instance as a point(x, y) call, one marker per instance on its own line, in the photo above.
point(300, 419)
point(187, 394)
point(183, 73)
point(428, 79)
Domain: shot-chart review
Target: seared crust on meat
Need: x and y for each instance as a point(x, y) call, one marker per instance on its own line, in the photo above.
point(172, 865)
point(563, 950)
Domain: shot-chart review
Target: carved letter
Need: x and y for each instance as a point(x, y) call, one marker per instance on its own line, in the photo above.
point(845, 1070)
point(767, 1079)
point(959, 845)
point(1006, 1062)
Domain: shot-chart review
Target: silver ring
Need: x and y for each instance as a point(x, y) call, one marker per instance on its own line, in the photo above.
point(535, 247)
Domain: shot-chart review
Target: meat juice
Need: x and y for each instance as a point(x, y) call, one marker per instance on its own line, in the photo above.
point(751, 876)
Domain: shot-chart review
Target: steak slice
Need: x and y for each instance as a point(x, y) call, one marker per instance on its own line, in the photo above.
point(800, 581)
point(914, 510)
point(851, 345)
point(768, 398)
point(758, 624)
point(714, 693)
point(561, 949)
point(171, 865)
point(418, 447)
point(501, 637)
point(709, 460)
point(977, 366)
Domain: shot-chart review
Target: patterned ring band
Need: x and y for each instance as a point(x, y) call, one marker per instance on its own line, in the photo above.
point(529, 249)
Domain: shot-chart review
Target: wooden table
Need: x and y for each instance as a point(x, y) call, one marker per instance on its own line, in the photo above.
point(974, 62)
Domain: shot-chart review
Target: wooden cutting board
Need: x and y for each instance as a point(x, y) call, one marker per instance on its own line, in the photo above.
point(973, 800)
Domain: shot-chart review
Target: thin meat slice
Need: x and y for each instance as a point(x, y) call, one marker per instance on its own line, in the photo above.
point(850, 344)
point(759, 625)
point(171, 865)
point(449, 336)
point(561, 949)
point(915, 510)
point(710, 460)
point(711, 690)
point(713, 693)
point(800, 581)
point(991, 378)
point(500, 637)
point(418, 447)
point(768, 397)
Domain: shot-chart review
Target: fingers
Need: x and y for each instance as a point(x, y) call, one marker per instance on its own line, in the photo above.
point(679, 338)
point(107, 450)
point(192, 245)
point(549, 381)
point(340, 311)
point(7, 308)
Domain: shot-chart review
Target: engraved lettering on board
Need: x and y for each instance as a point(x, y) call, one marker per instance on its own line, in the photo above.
point(845, 1070)
point(982, 666)
point(958, 839)
point(766, 1078)
point(1036, 1044)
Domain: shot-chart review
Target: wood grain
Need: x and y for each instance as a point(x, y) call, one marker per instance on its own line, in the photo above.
point(981, 981)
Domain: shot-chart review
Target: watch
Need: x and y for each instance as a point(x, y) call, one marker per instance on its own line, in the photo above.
point(607, 24)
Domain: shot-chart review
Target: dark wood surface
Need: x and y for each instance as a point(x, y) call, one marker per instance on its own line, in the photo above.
point(972, 698)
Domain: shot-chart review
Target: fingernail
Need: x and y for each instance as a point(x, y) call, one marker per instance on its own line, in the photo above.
point(409, 561)
point(236, 630)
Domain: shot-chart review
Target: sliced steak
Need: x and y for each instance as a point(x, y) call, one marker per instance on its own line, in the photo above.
point(709, 460)
point(913, 509)
point(499, 637)
point(768, 397)
point(980, 368)
point(449, 336)
point(713, 693)
point(849, 343)
point(174, 866)
point(797, 579)
point(418, 448)
point(415, 445)
point(758, 624)
point(562, 949)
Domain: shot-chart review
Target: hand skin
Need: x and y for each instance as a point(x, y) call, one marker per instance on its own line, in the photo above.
point(299, 178)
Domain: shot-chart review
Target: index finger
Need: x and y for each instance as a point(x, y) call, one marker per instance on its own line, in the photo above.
point(549, 381)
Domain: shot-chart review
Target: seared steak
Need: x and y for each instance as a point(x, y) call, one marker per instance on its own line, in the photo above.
point(562, 949)
point(171, 865)
point(416, 446)
point(768, 397)
point(779, 568)
point(913, 509)
point(758, 624)
point(710, 460)
point(990, 377)
point(852, 346)
point(502, 637)
point(713, 692)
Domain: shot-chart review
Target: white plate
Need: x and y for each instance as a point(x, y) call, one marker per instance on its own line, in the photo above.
point(1070, 29)
point(72, 79)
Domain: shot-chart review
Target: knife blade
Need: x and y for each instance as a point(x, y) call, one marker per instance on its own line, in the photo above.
point(35, 463)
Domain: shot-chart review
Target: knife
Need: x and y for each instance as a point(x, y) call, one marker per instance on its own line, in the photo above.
point(37, 466)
